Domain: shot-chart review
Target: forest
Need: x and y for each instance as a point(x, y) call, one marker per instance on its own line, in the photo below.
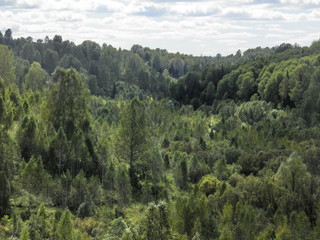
point(142, 144)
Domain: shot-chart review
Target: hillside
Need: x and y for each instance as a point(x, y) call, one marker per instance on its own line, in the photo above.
point(105, 143)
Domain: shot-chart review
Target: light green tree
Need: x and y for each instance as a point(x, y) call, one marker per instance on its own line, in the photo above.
point(6, 65)
point(65, 230)
point(225, 226)
point(25, 233)
point(293, 174)
point(36, 78)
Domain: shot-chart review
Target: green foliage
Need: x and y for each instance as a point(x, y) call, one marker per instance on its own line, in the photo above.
point(24, 233)
point(8, 157)
point(293, 174)
point(131, 142)
point(65, 230)
point(28, 138)
point(253, 111)
point(6, 65)
point(36, 78)
point(116, 229)
point(34, 172)
point(50, 59)
point(226, 227)
point(68, 102)
point(209, 184)
point(156, 225)
point(233, 152)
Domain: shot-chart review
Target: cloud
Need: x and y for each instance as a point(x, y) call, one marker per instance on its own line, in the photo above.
point(189, 26)
point(152, 11)
point(175, 1)
point(7, 3)
point(265, 2)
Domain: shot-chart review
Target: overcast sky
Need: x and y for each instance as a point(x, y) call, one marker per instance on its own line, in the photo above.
point(188, 26)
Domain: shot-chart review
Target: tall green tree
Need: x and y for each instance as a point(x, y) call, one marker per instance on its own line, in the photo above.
point(156, 225)
point(65, 230)
point(132, 141)
point(50, 60)
point(8, 158)
point(25, 233)
point(226, 228)
point(27, 51)
point(6, 65)
point(36, 78)
point(293, 173)
point(67, 103)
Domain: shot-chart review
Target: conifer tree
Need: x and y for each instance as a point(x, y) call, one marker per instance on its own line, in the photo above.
point(65, 229)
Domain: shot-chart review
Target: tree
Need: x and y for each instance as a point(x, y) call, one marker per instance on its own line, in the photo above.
point(253, 111)
point(184, 173)
point(1, 38)
point(37, 56)
point(28, 51)
point(209, 184)
point(69, 61)
point(28, 138)
point(293, 174)
point(8, 157)
point(42, 216)
point(246, 84)
point(156, 63)
point(300, 226)
point(5, 192)
point(226, 227)
point(36, 78)
point(34, 172)
point(132, 139)
point(246, 222)
point(6, 65)
point(68, 102)
point(79, 192)
point(295, 182)
point(196, 236)
point(7, 108)
point(186, 213)
point(57, 41)
point(65, 230)
point(25, 233)
point(116, 229)
point(210, 93)
point(123, 185)
point(156, 225)
point(8, 40)
point(50, 60)
point(59, 150)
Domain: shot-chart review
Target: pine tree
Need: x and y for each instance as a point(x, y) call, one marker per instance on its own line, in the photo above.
point(25, 233)
point(131, 143)
point(65, 229)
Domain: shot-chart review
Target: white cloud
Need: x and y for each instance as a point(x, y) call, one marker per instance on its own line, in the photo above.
point(190, 26)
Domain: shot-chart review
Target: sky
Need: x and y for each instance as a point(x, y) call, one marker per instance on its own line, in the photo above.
point(197, 27)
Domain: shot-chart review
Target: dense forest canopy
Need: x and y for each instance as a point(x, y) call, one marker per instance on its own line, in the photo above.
point(104, 143)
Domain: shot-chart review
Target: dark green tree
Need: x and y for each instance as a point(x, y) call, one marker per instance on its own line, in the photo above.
point(67, 103)
point(50, 60)
point(132, 140)
point(27, 52)
point(156, 225)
